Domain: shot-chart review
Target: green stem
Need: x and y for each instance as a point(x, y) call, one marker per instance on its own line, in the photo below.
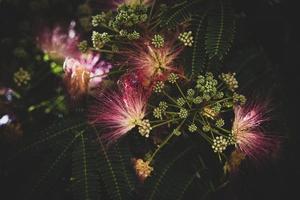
point(163, 123)
point(160, 146)
point(173, 100)
point(222, 100)
point(222, 129)
point(151, 11)
point(103, 50)
point(109, 28)
point(182, 94)
point(164, 142)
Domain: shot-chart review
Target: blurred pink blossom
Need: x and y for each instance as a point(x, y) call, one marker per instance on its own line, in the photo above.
point(84, 73)
point(59, 43)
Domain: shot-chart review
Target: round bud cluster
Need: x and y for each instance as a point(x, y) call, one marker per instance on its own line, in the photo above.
point(83, 46)
point(219, 144)
point(220, 123)
point(157, 113)
point(22, 77)
point(230, 80)
point(97, 20)
point(144, 128)
point(191, 92)
point(192, 128)
point(176, 132)
point(180, 101)
point(232, 140)
point(158, 41)
point(239, 99)
point(183, 113)
point(133, 36)
point(172, 78)
point(100, 39)
point(197, 100)
point(206, 128)
point(163, 106)
point(158, 87)
point(186, 38)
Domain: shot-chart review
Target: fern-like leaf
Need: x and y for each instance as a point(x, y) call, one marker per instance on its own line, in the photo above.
point(51, 134)
point(116, 170)
point(221, 29)
point(199, 57)
point(84, 169)
point(163, 177)
point(179, 13)
point(53, 167)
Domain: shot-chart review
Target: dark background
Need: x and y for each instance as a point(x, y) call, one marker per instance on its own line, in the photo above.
point(271, 24)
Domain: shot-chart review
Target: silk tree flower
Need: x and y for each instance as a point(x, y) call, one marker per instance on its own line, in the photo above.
point(142, 169)
point(59, 43)
point(247, 131)
point(118, 112)
point(153, 64)
point(84, 73)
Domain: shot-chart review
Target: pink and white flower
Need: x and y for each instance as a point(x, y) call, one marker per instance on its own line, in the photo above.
point(84, 73)
point(59, 43)
point(119, 112)
point(153, 64)
point(248, 133)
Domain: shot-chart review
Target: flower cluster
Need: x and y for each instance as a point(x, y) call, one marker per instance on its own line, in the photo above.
point(59, 43)
point(198, 108)
point(150, 90)
point(84, 73)
point(142, 168)
point(120, 112)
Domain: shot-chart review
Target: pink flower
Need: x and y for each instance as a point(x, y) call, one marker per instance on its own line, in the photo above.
point(248, 133)
point(59, 43)
point(153, 64)
point(119, 112)
point(84, 73)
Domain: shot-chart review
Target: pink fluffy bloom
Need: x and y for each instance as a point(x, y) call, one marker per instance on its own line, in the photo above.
point(248, 132)
point(119, 112)
point(59, 43)
point(84, 73)
point(153, 64)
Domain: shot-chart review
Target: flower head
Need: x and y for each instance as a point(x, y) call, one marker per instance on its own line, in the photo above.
point(84, 73)
point(153, 64)
point(247, 131)
point(119, 112)
point(142, 168)
point(58, 43)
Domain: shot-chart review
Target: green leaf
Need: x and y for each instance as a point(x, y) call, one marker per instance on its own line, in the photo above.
point(221, 29)
point(51, 135)
point(85, 177)
point(181, 12)
point(116, 170)
point(164, 177)
point(53, 167)
point(199, 57)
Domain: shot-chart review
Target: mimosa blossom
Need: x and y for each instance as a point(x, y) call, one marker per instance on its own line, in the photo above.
point(153, 64)
point(247, 131)
point(59, 43)
point(84, 73)
point(119, 112)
